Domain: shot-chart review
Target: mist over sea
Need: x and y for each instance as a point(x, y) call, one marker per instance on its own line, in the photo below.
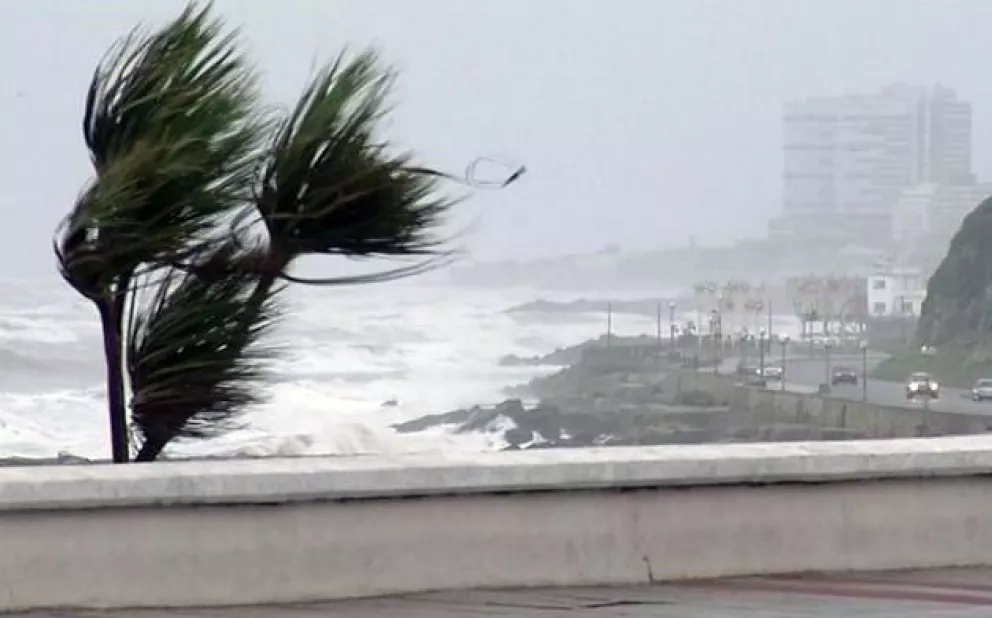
point(429, 347)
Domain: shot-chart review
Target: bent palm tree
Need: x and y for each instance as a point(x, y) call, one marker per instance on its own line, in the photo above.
point(171, 125)
point(165, 241)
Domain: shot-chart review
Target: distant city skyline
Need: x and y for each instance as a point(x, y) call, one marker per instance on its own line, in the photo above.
point(848, 159)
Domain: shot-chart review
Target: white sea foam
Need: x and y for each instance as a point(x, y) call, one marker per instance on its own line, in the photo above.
point(347, 351)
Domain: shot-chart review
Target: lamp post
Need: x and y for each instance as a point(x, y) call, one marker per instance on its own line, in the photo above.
point(609, 324)
point(826, 364)
point(863, 346)
point(761, 353)
point(784, 339)
point(671, 322)
point(929, 352)
point(658, 331)
point(744, 343)
point(718, 347)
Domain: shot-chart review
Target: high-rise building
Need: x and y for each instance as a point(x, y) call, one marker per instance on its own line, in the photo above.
point(926, 217)
point(848, 159)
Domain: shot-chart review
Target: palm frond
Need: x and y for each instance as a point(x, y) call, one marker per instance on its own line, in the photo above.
point(195, 350)
point(331, 187)
point(174, 114)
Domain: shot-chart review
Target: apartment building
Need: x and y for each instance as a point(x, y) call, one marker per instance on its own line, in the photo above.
point(847, 160)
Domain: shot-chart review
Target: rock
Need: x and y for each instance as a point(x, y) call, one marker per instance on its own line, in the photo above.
point(512, 409)
point(390, 403)
point(959, 294)
point(512, 360)
point(435, 420)
point(65, 457)
point(518, 436)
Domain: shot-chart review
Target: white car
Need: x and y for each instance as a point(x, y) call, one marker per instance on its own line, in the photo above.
point(922, 384)
point(982, 390)
point(773, 372)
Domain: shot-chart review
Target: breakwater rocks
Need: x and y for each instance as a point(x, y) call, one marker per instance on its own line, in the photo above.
point(620, 395)
point(549, 425)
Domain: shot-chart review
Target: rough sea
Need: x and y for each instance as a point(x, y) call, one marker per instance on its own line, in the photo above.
point(429, 348)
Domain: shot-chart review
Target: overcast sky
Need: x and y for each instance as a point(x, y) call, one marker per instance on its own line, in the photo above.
point(641, 122)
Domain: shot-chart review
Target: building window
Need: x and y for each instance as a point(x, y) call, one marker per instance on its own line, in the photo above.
point(878, 284)
point(879, 309)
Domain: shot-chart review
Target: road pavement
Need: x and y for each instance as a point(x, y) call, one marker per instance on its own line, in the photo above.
point(804, 373)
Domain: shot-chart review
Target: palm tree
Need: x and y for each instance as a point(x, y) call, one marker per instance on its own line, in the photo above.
point(172, 127)
point(201, 205)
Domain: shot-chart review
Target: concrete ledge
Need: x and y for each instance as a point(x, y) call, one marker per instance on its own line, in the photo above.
point(320, 479)
point(97, 537)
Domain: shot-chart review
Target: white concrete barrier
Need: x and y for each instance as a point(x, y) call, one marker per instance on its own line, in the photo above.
point(241, 532)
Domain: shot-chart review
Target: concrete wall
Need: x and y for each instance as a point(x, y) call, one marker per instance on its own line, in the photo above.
point(754, 406)
point(236, 532)
point(722, 387)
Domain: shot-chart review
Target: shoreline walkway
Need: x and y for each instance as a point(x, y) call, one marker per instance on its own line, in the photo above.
point(947, 593)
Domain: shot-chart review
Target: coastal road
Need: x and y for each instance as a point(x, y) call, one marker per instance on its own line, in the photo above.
point(806, 373)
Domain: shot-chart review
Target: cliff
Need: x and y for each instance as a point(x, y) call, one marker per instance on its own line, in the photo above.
point(957, 311)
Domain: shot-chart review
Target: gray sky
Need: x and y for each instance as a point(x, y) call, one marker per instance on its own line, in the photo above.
point(641, 122)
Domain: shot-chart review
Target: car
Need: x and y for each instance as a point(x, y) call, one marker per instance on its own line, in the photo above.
point(843, 375)
point(982, 390)
point(773, 372)
point(922, 384)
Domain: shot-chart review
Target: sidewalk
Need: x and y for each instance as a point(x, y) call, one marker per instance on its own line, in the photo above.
point(955, 593)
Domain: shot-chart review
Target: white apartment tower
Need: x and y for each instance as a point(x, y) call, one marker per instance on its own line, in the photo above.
point(848, 159)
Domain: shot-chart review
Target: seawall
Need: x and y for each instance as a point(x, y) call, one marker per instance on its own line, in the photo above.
point(243, 532)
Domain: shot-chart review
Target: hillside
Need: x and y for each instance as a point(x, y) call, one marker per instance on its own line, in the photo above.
point(956, 312)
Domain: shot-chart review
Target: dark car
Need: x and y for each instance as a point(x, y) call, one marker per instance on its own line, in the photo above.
point(843, 375)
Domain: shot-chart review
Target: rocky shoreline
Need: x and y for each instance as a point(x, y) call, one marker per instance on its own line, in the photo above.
point(629, 393)
point(622, 401)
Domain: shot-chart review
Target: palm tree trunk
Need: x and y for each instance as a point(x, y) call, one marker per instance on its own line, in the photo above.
point(152, 447)
point(110, 322)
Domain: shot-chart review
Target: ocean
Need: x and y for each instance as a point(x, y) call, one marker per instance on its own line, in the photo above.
point(428, 347)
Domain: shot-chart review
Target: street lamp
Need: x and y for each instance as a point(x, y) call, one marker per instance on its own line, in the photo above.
point(784, 340)
point(929, 351)
point(717, 354)
point(761, 352)
point(863, 346)
point(671, 322)
point(826, 356)
point(743, 344)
